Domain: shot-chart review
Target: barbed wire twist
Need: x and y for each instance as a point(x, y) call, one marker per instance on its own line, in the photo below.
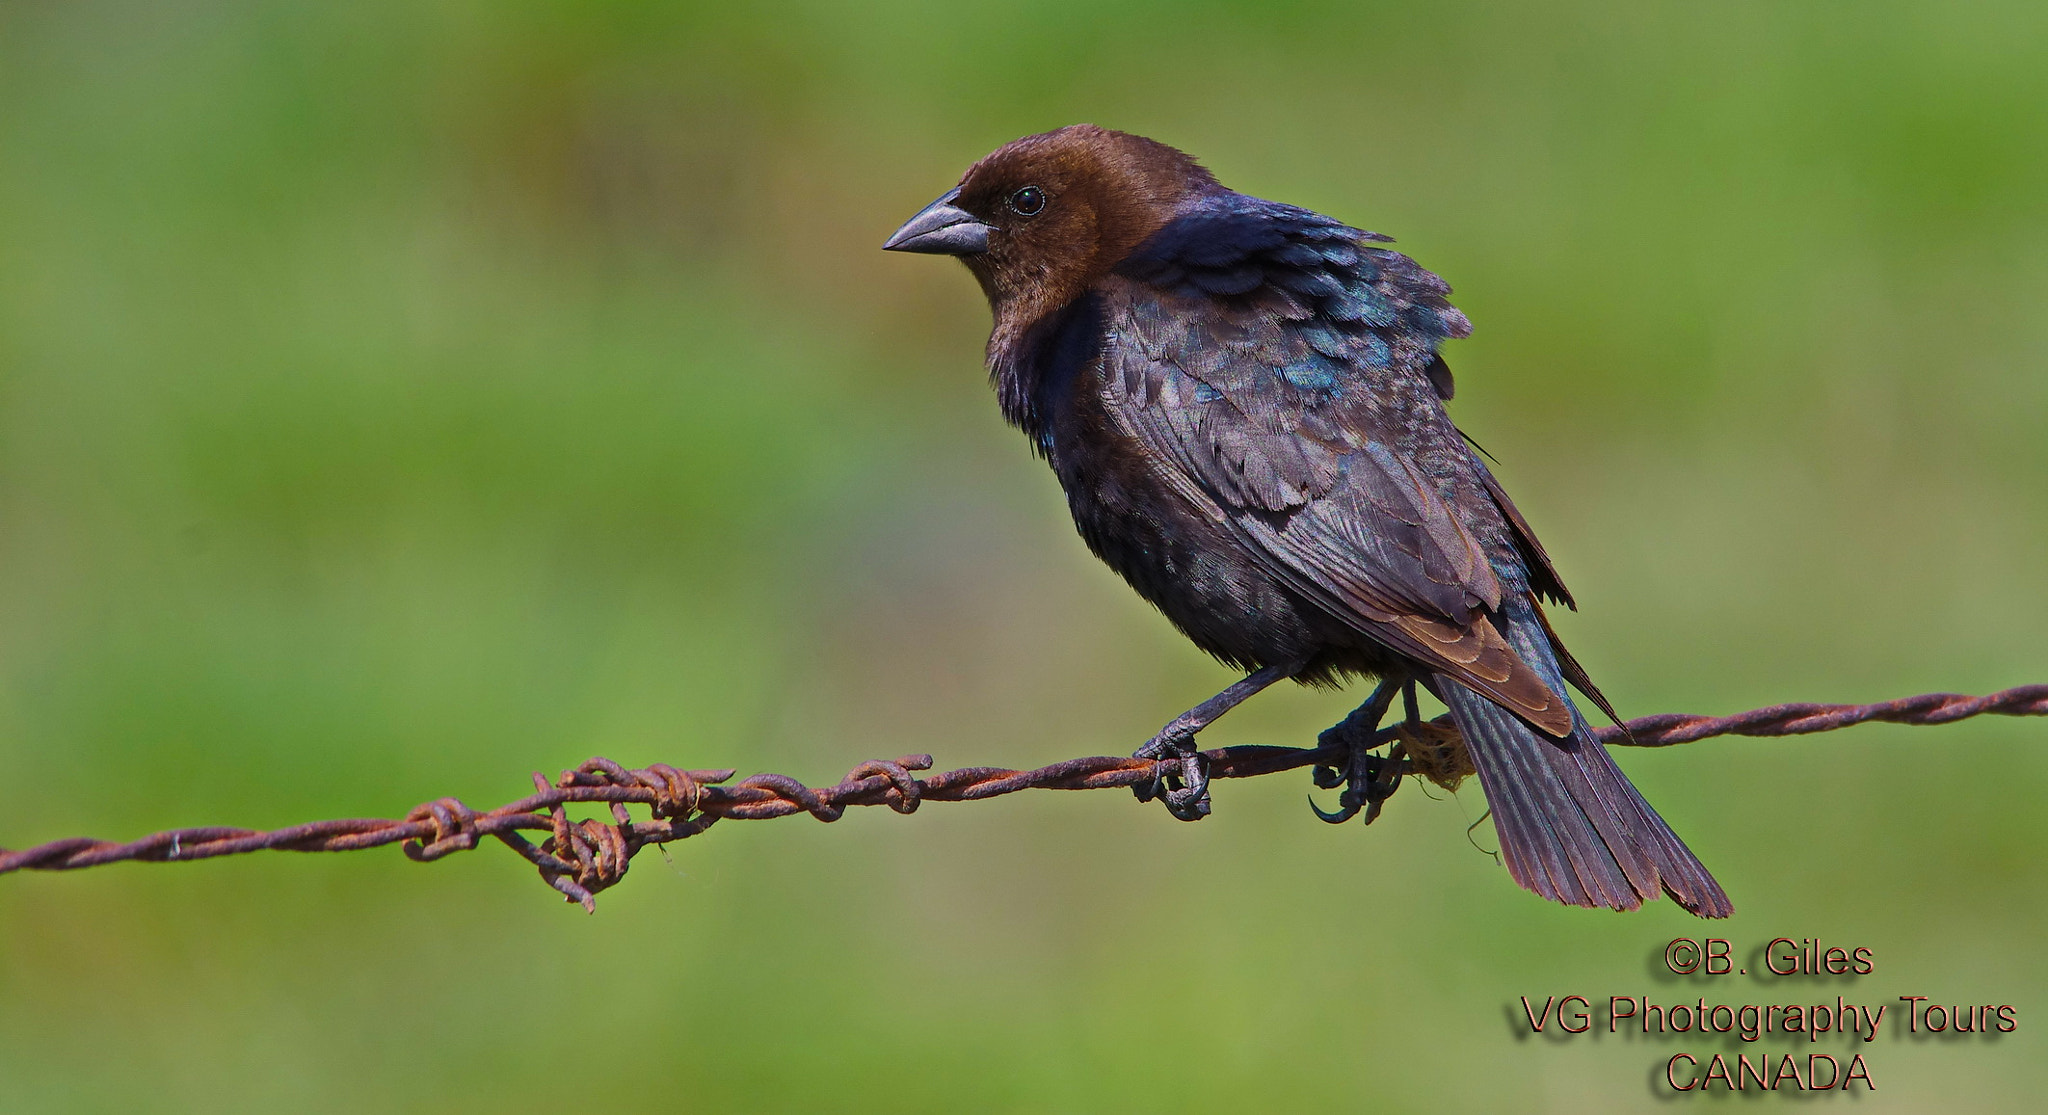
point(582, 858)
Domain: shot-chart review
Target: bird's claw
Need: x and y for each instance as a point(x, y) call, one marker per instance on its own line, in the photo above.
point(1182, 779)
point(1363, 778)
point(1339, 817)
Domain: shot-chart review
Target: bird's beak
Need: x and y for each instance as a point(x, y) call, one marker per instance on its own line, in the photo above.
point(941, 228)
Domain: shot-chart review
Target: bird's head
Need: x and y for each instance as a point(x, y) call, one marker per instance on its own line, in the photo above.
point(1041, 218)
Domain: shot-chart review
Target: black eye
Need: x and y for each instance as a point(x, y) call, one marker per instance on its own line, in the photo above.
point(1028, 202)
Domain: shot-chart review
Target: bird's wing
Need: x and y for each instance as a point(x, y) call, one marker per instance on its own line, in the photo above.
point(1279, 370)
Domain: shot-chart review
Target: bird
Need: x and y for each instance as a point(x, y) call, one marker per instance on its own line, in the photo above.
point(1244, 402)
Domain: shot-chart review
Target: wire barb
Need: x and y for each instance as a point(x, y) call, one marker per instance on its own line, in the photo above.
point(579, 859)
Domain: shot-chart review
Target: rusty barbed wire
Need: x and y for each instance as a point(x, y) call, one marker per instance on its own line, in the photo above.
point(582, 858)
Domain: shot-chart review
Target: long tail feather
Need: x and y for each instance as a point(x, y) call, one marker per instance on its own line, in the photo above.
point(1572, 827)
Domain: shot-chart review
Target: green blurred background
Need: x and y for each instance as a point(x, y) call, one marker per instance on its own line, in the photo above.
point(397, 398)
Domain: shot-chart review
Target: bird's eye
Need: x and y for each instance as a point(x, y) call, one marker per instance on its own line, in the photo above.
point(1028, 202)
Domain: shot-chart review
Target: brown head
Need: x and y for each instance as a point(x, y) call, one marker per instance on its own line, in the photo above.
point(1041, 218)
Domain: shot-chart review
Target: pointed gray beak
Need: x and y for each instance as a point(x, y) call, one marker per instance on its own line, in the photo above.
point(941, 228)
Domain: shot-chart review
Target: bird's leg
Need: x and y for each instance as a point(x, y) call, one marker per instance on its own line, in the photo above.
point(1361, 776)
point(1186, 793)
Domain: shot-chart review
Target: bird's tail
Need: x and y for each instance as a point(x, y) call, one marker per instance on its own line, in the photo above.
point(1572, 828)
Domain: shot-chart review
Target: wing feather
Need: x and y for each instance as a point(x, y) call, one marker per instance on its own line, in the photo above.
point(1290, 411)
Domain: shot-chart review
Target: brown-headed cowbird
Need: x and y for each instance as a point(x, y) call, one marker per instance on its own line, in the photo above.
point(1244, 403)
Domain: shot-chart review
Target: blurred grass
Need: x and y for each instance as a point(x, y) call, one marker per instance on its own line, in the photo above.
point(398, 398)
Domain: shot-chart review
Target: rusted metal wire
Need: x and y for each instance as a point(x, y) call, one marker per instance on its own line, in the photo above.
point(582, 858)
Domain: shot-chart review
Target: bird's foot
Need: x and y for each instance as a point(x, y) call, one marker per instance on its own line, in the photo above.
point(1368, 779)
point(1182, 781)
